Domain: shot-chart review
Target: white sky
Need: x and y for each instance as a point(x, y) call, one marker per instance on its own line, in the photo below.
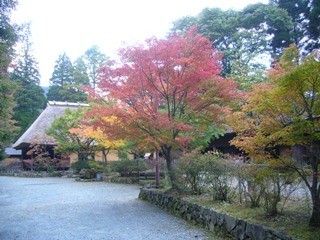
point(73, 26)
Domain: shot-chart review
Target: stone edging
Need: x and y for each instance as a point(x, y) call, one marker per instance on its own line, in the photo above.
point(122, 180)
point(210, 219)
point(35, 174)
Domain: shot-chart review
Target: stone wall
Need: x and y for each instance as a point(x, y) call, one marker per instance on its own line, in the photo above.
point(34, 174)
point(210, 219)
point(123, 180)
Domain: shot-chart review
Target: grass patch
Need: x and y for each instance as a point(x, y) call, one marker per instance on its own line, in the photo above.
point(293, 221)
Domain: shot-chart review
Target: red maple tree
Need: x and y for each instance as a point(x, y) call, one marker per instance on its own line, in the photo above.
point(162, 91)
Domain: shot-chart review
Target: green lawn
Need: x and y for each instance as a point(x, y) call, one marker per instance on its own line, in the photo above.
point(293, 221)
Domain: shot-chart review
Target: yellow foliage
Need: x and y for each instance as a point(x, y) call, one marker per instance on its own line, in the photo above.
point(102, 138)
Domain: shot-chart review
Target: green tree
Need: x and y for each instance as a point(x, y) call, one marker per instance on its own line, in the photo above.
point(272, 20)
point(29, 96)
point(27, 66)
point(242, 36)
point(313, 26)
point(63, 72)
point(70, 142)
point(94, 60)
point(296, 10)
point(62, 76)
point(30, 101)
point(8, 37)
point(285, 112)
point(80, 72)
point(306, 17)
point(66, 82)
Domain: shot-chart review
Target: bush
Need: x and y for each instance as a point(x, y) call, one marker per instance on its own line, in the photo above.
point(191, 170)
point(98, 166)
point(279, 185)
point(129, 168)
point(266, 186)
point(199, 173)
point(77, 166)
point(220, 175)
point(251, 186)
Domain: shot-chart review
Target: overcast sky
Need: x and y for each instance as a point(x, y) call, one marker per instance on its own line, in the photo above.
point(73, 26)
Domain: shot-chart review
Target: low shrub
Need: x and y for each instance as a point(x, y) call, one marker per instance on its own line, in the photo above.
point(129, 168)
point(198, 173)
point(99, 167)
point(77, 166)
point(250, 184)
point(278, 186)
point(261, 185)
point(220, 178)
point(191, 172)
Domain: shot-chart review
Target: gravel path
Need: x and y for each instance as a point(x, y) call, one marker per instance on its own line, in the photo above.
point(60, 208)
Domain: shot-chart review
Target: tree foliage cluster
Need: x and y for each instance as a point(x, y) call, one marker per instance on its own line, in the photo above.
point(76, 134)
point(68, 140)
point(251, 38)
point(284, 112)
point(29, 95)
point(8, 37)
point(164, 94)
point(305, 15)
point(69, 78)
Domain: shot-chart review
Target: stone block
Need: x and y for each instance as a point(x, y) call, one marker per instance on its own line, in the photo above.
point(214, 217)
point(255, 231)
point(239, 232)
point(206, 213)
point(211, 226)
point(220, 219)
point(229, 222)
point(279, 235)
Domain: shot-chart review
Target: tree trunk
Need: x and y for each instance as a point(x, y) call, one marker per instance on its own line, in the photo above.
point(315, 216)
point(157, 169)
point(105, 153)
point(104, 156)
point(315, 188)
point(169, 161)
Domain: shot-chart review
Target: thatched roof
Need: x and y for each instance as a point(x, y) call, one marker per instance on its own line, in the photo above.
point(53, 111)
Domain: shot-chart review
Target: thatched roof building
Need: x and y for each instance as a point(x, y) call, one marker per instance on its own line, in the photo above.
point(53, 111)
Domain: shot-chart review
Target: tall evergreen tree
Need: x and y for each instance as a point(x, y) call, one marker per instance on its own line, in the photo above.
point(67, 80)
point(63, 72)
point(80, 73)
point(8, 38)
point(94, 60)
point(29, 96)
point(27, 69)
point(62, 77)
